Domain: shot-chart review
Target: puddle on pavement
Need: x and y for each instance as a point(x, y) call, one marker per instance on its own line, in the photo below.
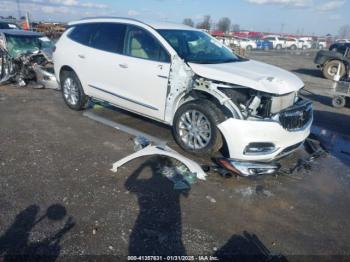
point(337, 144)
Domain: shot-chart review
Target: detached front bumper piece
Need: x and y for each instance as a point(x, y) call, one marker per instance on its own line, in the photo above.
point(245, 168)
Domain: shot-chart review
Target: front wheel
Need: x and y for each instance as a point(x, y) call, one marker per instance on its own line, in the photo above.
point(195, 127)
point(278, 47)
point(72, 91)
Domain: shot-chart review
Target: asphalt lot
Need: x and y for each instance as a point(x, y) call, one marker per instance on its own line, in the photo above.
point(58, 196)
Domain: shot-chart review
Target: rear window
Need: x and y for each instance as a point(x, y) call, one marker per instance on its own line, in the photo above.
point(82, 34)
point(103, 36)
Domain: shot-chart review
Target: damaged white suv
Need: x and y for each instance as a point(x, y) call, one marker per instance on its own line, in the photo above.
point(184, 78)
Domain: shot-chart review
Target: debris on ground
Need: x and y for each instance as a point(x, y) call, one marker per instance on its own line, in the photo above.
point(315, 150)
point(140, 142)
point(178, 173)
point(211, 199)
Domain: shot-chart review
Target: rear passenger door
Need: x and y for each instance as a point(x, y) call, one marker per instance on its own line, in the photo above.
point(101, 59)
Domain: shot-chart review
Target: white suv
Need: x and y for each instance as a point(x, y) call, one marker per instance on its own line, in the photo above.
point(187, 79)
point(277, 42)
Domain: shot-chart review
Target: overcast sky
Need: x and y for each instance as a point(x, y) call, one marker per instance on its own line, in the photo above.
point(308, 16)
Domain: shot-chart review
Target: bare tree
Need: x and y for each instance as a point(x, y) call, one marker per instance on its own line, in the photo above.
point(188, 21)
point(236, 28)
point(206, 23)
point(344, 31)
point(224, 24)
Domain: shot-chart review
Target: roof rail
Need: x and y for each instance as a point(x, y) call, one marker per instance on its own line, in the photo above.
point(109, 17)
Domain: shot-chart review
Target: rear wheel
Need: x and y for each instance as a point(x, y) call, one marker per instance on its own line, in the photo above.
point(72, 91)
point(195, 127)
point(330, 69)
point(278, 47)
point(339, 101)
point(293, 47)
point(249, 48)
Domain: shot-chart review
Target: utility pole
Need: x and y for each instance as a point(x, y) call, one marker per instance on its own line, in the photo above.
point(18, 10)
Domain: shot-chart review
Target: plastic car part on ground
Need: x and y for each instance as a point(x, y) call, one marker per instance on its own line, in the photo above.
point(163, 151)
point(246, 168)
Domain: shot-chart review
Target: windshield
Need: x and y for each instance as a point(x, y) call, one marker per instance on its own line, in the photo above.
point(198, 47)
point(19, 44)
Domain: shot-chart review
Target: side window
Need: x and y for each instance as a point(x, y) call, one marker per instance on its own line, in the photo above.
point(108, 37)
point(82, 33)
point(141, 44)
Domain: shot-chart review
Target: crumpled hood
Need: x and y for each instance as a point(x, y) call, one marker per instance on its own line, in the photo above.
point(256, 75)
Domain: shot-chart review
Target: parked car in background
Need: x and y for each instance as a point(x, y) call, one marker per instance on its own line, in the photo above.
point(25, 57)
point(321, 44)
point(8, 25)
point(294, 43)
point(341, 41)
point(277, 42)
point(330, 62)
point(264, 45)
point(246, 43)
point(187, 79)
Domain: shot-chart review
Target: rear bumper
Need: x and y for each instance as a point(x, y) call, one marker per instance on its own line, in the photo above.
point(238, 134)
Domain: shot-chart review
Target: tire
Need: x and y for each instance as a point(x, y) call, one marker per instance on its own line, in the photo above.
point(330, 69)
point(72, 91)
point(249, 48)
point(339, 101)
point(293, 47)
point(209, 116)
point(278, 47)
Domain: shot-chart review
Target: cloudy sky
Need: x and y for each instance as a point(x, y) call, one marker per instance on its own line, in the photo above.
point(308, 16)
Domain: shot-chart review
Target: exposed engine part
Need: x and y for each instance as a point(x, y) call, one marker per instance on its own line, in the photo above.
point(254, 105)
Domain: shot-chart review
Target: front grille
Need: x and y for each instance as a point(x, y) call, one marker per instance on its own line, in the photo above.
point(297, 116)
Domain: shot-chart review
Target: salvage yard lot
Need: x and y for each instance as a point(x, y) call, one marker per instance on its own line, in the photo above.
point(50, 155)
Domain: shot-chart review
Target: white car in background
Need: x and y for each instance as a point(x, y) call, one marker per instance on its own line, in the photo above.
point(278, 42)
point(294, 43)
point(185, 78)
point(246, 43)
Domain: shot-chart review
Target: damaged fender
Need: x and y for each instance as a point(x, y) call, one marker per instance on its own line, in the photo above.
point(182, 80)
point(165, 151)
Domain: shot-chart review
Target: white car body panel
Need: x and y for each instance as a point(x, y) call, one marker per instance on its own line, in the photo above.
point(239, 133)
point(253, 74)
point(157, 89)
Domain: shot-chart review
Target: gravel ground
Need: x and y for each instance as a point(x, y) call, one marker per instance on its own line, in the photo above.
point(59, 198)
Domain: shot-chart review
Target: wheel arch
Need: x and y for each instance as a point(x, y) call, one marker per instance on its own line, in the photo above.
point(65, 68)
point(200, 94)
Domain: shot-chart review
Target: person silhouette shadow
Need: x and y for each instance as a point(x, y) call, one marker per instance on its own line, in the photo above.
point(158, 227)
point(15, 244)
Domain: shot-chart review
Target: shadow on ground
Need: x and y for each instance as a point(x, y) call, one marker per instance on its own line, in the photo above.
point(246, 247)
point(15, 243)
point(158, 227)
point(309, 72)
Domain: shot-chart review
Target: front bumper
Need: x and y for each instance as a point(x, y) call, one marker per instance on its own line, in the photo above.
point(238, 134)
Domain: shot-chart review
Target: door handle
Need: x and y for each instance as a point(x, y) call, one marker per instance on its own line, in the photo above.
point(81, 56)
point(123, 65)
